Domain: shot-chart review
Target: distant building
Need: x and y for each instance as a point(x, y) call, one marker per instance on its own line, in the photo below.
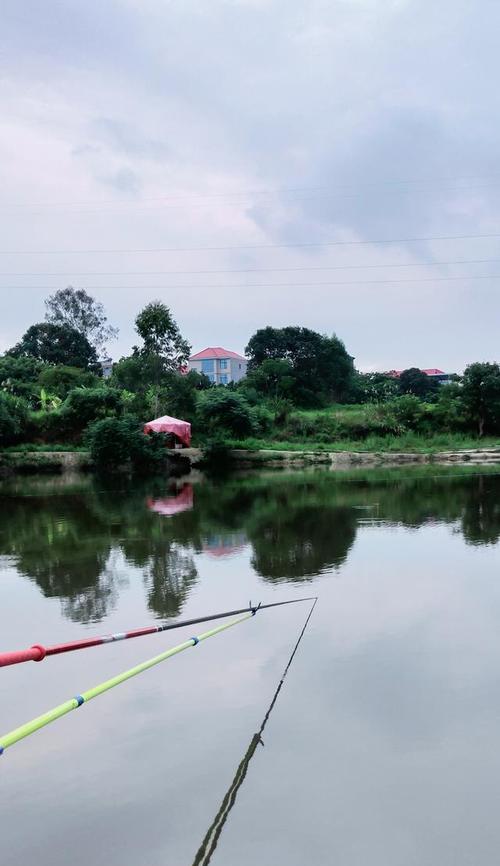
point(107, 368)
point(433, 373)
point(220, 365)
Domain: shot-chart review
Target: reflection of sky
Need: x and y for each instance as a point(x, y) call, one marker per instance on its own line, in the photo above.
point(383, 748)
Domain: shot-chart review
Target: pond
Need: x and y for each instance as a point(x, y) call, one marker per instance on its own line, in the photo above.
point(383, 745)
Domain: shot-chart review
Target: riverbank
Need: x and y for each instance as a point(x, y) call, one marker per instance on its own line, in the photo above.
point(181, 461)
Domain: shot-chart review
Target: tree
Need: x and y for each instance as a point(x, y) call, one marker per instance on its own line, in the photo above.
point(273, 378)
point(162, 338)
point(19, 376)
point(481, 396)
point(57, 344)
point(13, 418)
point(61, 379)
point(227, 411)
point(322, 367)
point(373, 388)
point(79, 310)
point(416, 382)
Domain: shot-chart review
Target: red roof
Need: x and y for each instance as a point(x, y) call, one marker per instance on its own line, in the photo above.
point(215, 352)
point(433, 371)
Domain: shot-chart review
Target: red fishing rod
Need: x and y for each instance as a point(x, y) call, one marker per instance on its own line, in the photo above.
point(38, 652)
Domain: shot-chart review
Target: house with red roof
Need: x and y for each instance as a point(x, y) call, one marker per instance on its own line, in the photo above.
point(220, 365)
point(433, 373)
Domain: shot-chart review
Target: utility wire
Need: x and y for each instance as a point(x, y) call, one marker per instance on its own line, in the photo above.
point(272, 191)
point(276, 285)
point(309, 244)
point(244, 270)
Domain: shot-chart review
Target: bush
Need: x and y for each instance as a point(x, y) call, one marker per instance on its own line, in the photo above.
point(61, 379)
point(402, 414)
point(228, 412)
point(13, 419)
point(83, 405)
point(117, 443)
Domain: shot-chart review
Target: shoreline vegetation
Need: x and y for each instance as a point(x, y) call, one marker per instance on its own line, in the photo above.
point(301, 400)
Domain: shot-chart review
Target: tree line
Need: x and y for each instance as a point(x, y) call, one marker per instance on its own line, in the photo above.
point(52, 390)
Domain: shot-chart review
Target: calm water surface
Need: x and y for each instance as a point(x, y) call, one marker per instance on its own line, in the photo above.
point(383, 748)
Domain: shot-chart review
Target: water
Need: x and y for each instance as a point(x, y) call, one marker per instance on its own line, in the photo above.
point(383, 745)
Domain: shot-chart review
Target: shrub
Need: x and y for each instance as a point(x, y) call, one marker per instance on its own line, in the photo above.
point(83, 405)
point(61, 379)
point(117, 443)
point(402, 414)
point(13, 419)
point(226, 411)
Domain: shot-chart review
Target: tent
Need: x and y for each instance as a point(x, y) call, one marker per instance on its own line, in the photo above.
point(166, 424)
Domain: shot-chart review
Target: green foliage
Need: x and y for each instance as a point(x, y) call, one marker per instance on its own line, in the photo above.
point(416, 382)
point(19, 376)
point(130, 373)
point(273, 378)
point(57, 344)
point(373, 388)
point(220, 409)
point(49, 401)
point(117, 443)
point(61, 379)
point(81, 312)
point(481, 396)
point(407, 412)
point(164, 347)
point(322, 368)
point(449, 412)
point(83, 405)
point(13, 419)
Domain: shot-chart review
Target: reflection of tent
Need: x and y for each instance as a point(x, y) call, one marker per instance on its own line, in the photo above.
point(169, 505)
point(166, 424)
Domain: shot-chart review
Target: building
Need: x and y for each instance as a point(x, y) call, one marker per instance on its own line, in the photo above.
point(220, 365)
point(433, 373)
point(106, 367)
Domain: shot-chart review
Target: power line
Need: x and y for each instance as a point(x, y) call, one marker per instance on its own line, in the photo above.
point(256, 246)
point(277, 285)
point(271, 191)
point(243, 270)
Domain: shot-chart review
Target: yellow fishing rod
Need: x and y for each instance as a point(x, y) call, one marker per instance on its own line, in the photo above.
point(77, 701)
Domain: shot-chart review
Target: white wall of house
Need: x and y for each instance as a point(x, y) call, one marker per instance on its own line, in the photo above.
point(221, 371)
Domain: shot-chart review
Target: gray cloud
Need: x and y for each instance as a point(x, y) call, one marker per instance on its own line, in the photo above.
point(141, 124)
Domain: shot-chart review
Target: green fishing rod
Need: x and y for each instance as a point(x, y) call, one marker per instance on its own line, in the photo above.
point(36, 724)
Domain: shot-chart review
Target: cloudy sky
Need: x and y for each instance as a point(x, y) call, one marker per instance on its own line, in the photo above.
point(238, 159)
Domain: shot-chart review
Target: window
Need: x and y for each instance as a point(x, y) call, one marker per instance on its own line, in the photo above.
point(223, 379)
point(223, 363)
point(211, 376)
point(207, 366)
point(240, 366)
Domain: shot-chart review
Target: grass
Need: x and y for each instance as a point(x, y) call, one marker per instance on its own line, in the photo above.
point(408, 442)
point(40, 448)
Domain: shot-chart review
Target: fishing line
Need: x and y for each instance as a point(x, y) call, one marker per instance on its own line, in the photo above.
point(211, 840)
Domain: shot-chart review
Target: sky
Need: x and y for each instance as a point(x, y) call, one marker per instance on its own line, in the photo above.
point(332, 164)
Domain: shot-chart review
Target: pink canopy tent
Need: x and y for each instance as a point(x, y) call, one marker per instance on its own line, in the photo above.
point(166, 424)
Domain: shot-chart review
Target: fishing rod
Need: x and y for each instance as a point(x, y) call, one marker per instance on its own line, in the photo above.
point(37, 652)
point(211, 840)
point(78, 700)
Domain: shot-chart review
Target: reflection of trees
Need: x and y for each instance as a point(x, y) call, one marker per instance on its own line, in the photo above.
point(303, 540)
point(169, 578)
point(64, 535)
point(55, 543)
point(481, 516)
